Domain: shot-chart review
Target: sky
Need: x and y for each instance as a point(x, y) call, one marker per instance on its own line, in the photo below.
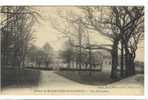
point(45, 32)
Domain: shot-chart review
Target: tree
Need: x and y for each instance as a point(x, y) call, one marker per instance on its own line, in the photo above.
point(101, 19)
point(16, 37)
point(122, 25)
point(16, 33)
point(132, 33)
point(74, 31)
point(48, 50)
point(75, 28)
point(119, 23)
point(127, 20)
point(67, 56)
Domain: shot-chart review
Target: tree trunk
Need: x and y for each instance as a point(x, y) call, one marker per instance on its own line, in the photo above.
point(127, 61)
point(132, 64)
point(133, 68)
point(114, 54)
point(90, 61)
point(122, 60)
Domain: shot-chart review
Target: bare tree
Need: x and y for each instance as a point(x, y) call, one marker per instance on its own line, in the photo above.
point(119, 24)
point(102, 20)
point(72, 29)
point(16, 33)
point(116, 23)
point(133, 32)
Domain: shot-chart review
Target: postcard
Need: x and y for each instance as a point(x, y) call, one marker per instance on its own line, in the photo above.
point(72, 50)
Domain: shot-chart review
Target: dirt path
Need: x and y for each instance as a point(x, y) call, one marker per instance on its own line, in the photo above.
point(51, 79)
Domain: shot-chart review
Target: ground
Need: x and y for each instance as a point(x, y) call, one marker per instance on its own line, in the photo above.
point(59, 83)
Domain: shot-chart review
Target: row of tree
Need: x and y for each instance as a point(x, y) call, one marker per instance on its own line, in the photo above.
point(123, 25)
point(89, 61)
point(16, 34)
point(17, 38)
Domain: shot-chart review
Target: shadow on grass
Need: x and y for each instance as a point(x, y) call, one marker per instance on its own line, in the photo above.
point(23, 78)
point(84, 77)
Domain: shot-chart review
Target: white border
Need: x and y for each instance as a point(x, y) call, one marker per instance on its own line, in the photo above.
point(87, 2)
point(146, 53)
point(73, 2)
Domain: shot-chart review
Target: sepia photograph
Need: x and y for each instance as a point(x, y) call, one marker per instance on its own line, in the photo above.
point(72, 50)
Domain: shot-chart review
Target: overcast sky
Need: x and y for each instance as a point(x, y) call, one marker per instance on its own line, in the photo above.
point(44, 32)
